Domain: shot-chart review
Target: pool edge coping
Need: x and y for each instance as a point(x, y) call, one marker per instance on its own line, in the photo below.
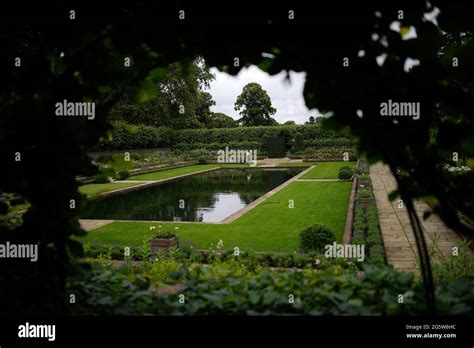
point(231, 218)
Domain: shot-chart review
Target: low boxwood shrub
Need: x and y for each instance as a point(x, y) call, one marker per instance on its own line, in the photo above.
point(376, 250)
point(345, 174)
point(359, 224)
point(373, 232)
point(374, 239)
point(376, 259)
point(122, 175)
point(102, 178)
point(358, 233)
point(202, 160)
point(358, 241)
point(315, 238)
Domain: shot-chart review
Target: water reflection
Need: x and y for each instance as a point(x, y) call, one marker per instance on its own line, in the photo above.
point(208, 197)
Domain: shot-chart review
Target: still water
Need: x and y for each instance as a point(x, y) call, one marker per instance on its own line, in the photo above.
point(207, 197)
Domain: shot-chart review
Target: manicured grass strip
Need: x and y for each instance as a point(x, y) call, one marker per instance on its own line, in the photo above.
point(271, 226)
point(326, 170)
point(95, 189)
point(297, 164)
point(169, 173)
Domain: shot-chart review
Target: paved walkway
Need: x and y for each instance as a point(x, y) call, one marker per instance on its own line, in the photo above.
point(400, 245)
point(88, 224)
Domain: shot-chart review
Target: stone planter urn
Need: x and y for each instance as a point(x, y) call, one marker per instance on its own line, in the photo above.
point(162, 245)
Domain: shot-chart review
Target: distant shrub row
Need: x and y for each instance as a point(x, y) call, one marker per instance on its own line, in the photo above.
point(125, 136)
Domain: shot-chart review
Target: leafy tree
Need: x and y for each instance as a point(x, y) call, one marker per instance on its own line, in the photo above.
point(311, 120)
point(178, 99)
point(221, 120)
point(203, 108)
point(255, 106)
point(290, 123)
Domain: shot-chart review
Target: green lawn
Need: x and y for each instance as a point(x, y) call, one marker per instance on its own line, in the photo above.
point(271, 226)
point(326, 170)
point(297, 164)
point(169, 173)
point(95, 189)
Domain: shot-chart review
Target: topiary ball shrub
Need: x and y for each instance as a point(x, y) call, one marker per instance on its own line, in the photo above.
point(315, 238)
point(345, 174)
point(122, 175)
point(345, 168)
point(202, 160)
point(102, 178)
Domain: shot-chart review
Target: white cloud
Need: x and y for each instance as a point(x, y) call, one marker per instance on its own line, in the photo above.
point(286, 97)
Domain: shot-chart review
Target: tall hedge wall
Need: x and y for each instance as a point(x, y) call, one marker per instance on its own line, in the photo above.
point(125, 136)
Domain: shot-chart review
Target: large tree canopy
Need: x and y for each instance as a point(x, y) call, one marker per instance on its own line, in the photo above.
point(177, 99)
point(255, 106)
point(221, 120)
point(354, 58)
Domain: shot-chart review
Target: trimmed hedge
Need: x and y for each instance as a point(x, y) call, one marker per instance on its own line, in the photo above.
point(244, 134)
point(124, 136)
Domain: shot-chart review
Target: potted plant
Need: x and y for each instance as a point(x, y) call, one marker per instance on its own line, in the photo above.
point(163, 241)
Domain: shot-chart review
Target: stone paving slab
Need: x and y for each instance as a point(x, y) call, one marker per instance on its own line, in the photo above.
point(89, 224)
point(399, 241)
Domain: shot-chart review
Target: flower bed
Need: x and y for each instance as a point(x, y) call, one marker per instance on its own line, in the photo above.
point(366, 228)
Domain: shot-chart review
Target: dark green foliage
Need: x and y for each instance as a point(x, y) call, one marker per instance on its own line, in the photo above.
point(221, 120)
point(175, 99)
point(165, 235)
point(122, 175)
point(255, 106)
point(298, 144)
point(126, 136)
point(376, 249)
point(364, 193)
point(231, 288)
point(315, 238)
point(373, 239)
point(92, 70)
point(345, 174)
point(202, 160)
point(102, 178)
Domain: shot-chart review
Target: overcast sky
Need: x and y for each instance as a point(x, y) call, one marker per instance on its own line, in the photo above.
point(286, 98)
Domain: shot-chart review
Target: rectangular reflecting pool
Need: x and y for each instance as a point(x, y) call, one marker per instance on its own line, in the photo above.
point(206, 197)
